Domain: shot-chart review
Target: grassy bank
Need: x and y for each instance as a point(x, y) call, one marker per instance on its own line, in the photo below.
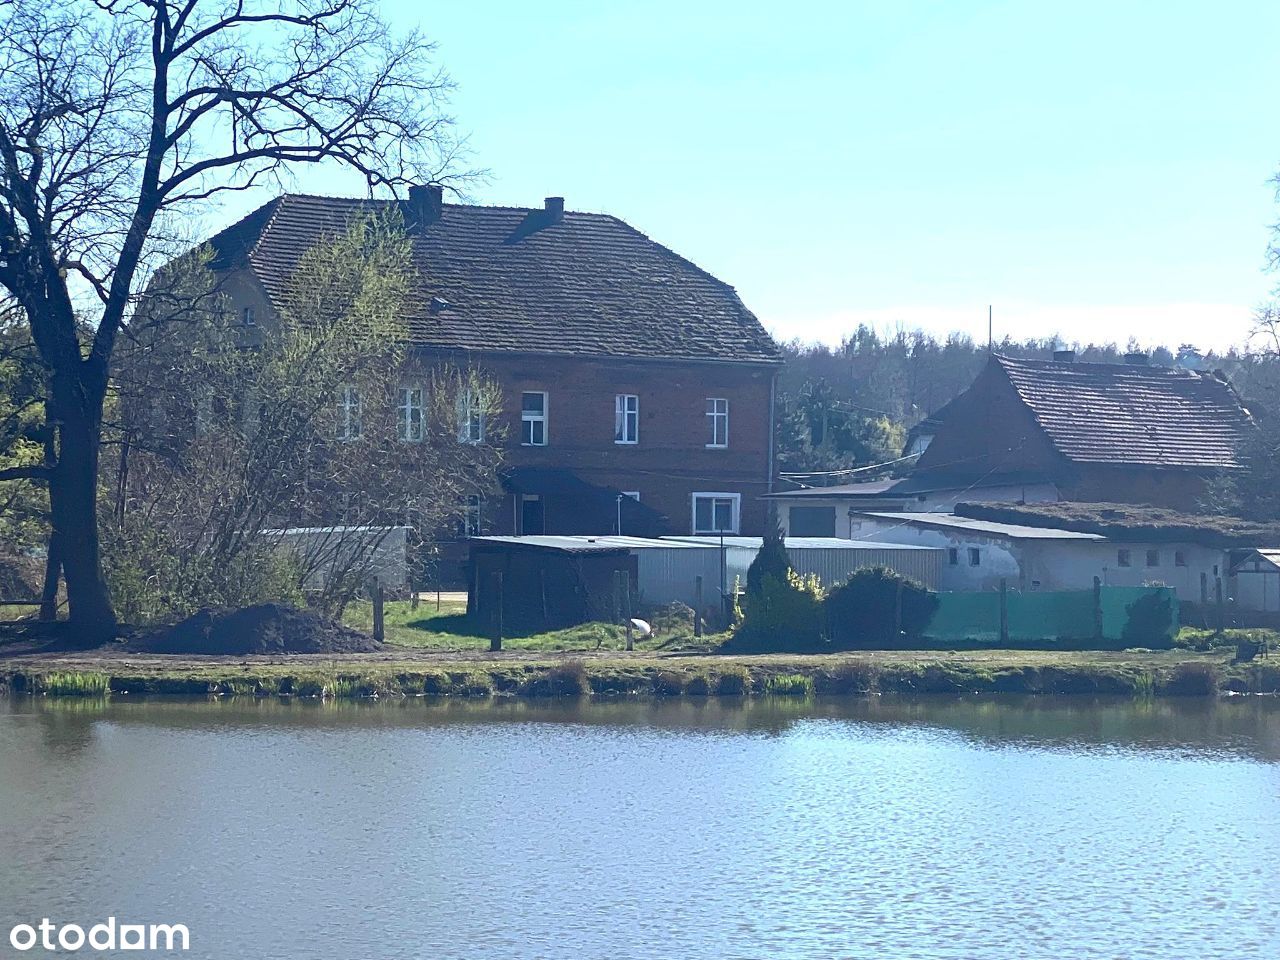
point(448, 628)
point(1129, 673)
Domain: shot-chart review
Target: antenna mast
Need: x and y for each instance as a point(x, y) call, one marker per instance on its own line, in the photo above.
point(991, 340)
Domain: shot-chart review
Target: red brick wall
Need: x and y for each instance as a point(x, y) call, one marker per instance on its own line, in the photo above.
point(1177, 489)
point(989, 430)
point(671, 460)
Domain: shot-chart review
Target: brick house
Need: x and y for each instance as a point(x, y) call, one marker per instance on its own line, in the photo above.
point(637, 389)
point(1122, 432)
point(1041, 431)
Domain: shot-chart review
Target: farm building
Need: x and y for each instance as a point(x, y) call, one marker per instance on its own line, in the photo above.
point(668, 570)
point(370, 554)
point(544, 583)
point(979, 554)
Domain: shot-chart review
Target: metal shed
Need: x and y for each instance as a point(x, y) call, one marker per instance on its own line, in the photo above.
point(833, 559)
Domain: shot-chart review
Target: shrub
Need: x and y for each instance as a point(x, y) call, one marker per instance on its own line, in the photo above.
point(1191, 680)
point(671, 618)
point(786, 617)
point(732, 682)
point(847, 678)
point(864, 610)
point(698, 685)
point(568, 679)
point(1150, 621)
point(771, 561)
point(668, 683)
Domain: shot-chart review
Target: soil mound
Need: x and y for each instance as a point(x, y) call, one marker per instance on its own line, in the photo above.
point(267, 628)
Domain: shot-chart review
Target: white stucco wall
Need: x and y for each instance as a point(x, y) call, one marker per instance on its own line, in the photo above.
point(1051, 564)
point(941, 501)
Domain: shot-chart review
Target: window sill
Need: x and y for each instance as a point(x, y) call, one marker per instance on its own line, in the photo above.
point(717, 446)
point(626, 443)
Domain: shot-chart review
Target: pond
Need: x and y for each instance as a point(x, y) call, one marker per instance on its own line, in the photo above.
point(877, 828)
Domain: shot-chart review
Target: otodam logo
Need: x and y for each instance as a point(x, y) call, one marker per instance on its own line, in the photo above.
point(108, 935)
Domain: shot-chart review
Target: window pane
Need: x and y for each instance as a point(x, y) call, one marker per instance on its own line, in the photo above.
point(724, 514)
point(534, 403)
point(702, 514)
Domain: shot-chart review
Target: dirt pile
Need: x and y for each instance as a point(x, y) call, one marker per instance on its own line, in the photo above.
point(267, 628)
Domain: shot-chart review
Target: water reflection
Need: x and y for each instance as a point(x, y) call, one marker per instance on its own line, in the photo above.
point(961, 829)
point(1244, 726)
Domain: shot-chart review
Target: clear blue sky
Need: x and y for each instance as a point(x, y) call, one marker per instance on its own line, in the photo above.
point(1098, 170)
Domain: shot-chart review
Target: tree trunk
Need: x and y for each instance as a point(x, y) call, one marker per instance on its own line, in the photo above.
point(73, 503)
point(52, 576)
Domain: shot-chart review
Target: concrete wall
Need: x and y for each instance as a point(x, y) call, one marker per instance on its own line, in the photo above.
point(1067, 564)
point(940, 501)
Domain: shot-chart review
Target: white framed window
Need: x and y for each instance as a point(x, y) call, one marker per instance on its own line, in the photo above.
point(473, 516)
point(409, 414)
point(533, 419)
point(470, 418)
point(349, 422)
point(249, 317)
point(975, 557)
point(718, 421)
point(626, 418)
point(716, 512)
point(633, 494)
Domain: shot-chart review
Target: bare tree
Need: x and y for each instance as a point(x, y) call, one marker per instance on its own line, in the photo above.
point(328, 423)
point(119, 116)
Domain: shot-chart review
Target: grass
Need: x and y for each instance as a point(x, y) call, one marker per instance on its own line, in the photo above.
point(1195, 638)
point(450, 629)
point(73, 684)
point(416, 673)
point(789, 685)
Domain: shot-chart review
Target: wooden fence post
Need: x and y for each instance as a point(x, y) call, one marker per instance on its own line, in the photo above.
point(1097, 608)
point(626, 607)
point(1217, 592)
point(697, 606)
point(496, 643)
point(897, 611)
point(1004, 611)
point(379, 621)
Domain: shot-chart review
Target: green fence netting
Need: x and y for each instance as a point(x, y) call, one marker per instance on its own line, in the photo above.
point(1132, 615)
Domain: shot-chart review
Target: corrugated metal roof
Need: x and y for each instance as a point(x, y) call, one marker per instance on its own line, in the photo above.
point(583, 542)
point(1013, 531)
point(804, 543)
point(563, 544)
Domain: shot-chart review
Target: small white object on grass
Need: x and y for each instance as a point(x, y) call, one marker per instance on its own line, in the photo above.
point(641, 627)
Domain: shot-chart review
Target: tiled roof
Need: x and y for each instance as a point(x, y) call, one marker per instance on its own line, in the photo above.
point(515, 279)
point(1132, 414)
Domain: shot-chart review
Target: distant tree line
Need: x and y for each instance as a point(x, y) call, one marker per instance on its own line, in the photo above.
point(852, 405)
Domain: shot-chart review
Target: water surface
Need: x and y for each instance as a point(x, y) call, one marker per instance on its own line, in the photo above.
point(884, 828)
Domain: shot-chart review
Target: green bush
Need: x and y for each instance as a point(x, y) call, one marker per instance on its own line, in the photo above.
point(864, 610)
point(771, 561)
point(732, 682)
point(786, 617)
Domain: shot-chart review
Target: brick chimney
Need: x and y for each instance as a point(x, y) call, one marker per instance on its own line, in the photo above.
point(426, 203)
point(554, 209)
